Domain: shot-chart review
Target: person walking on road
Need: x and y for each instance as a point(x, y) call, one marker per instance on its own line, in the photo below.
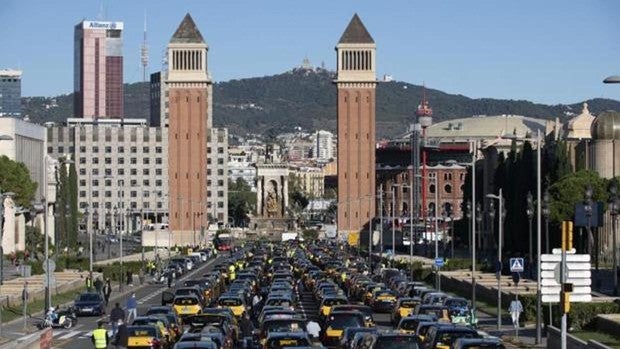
point(116, 314)
point(132, 307)
point(100, 337)
point(107, 290)
point(89, 283)
point(122, 336)
point(99, 286)
point(169, 279)
point(314, 330)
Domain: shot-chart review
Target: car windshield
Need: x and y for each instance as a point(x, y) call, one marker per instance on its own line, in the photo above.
point(458, 304)
point(341, 321)
point(185, 301)
point(89, 297)
point(333, 301)
point(446, 338)
point(230, 302)
point(397, 342)
point(142, 331)
point(284, 326)
point(408, 304)
point(278, 301)
point(409, 325)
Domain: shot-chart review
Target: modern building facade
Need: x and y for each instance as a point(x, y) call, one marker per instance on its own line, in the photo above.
point(217, 175)
point(10, 92)
point(98, 70)
point(190, 118)
point(241, 165)
point(356, 83)
point(324, 150)
point(119, 165)
point(159, 100)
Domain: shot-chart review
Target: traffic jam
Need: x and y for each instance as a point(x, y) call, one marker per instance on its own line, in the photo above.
point(304, 295)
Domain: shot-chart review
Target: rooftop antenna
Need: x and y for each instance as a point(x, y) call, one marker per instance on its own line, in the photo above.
point(144, 53)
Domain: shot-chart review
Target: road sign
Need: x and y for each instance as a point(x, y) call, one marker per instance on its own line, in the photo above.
point(574, 298)
point(577, 273)
point(516, 265)
point(439, 262)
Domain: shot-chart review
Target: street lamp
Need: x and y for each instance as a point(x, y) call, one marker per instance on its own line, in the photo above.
point(614, 79)
point(587, 207)
point(614, 204)
point(87, 213)
point(500, 199)
point(546, 213)
point(530, 215)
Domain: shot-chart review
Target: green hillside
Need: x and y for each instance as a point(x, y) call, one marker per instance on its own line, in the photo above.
point(307, 98)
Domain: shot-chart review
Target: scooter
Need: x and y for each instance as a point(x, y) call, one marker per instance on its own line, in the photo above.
point(66, 319)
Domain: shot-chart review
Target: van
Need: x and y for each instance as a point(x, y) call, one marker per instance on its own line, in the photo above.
point(201, 255)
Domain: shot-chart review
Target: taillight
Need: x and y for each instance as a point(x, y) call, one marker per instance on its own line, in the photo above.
point(155, 343)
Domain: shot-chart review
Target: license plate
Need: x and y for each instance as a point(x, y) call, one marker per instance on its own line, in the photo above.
point(87, 309)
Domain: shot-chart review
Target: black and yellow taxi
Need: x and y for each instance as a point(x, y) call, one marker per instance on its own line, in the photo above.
point(328, 302)
point(335, 324)
point(409, 324)
point(148, 336)
point(369, 320)
point(186, 305)
point(404, 307)
point(441, 312)
point(383, 300)
point(234, 303)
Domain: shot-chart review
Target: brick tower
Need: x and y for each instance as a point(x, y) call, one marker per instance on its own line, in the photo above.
point(190, 118)
point(356, 82)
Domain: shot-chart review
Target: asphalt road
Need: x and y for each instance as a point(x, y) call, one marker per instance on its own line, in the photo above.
point(79, 337)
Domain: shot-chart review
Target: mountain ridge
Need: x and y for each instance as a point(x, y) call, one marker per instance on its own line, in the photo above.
point(306, 97)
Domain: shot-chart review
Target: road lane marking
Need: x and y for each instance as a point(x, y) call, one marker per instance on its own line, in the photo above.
point(70, 334)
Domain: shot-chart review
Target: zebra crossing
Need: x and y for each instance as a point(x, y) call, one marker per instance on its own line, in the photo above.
point(61, 334)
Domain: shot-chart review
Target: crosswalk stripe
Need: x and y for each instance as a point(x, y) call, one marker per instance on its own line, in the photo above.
point(70, 334)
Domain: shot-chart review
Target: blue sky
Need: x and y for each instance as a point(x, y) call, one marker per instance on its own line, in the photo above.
point(552, 51)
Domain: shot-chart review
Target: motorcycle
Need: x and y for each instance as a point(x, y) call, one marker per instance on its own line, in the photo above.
point(65, 319)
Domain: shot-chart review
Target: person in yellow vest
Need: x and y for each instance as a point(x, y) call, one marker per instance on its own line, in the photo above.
point(231, 272)
point(100, 337)
point(89, 283)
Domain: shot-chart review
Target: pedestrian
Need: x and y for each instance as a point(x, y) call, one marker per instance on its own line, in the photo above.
point(132, 307)
point(107, 290)
point(89, 283)
point(170, 276)
point(100, 337)
point(129, 277)
point(515, 309)
point(246, 326)
point(314, 330)
point(116, 314)
point(99, 286)
point(141, 276)
point(122, 335)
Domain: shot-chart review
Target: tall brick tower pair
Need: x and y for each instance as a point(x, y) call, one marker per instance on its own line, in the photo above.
point(356, 83)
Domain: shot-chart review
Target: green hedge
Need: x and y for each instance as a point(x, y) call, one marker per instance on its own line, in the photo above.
point(582, 316)
point(112, 271)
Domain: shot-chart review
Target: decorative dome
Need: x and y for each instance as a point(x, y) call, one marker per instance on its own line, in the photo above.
point(606, 126)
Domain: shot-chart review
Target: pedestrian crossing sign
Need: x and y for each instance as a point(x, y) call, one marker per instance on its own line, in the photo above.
point(516, 265)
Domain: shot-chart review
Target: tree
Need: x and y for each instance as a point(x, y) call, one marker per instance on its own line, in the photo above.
point(570, 189)
point(241, 199)
point(74, 215)
point(15, 178)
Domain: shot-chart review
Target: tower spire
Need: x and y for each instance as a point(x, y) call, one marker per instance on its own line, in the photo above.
point(144, 52)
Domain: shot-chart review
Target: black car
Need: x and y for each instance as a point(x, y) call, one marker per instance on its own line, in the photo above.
point(89, 303)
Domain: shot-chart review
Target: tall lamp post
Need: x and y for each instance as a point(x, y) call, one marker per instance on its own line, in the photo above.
point(587, 207)
point(614, 204)
point(500, 199)
point(478, 221)
point(546, 213)
point(530, 215)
